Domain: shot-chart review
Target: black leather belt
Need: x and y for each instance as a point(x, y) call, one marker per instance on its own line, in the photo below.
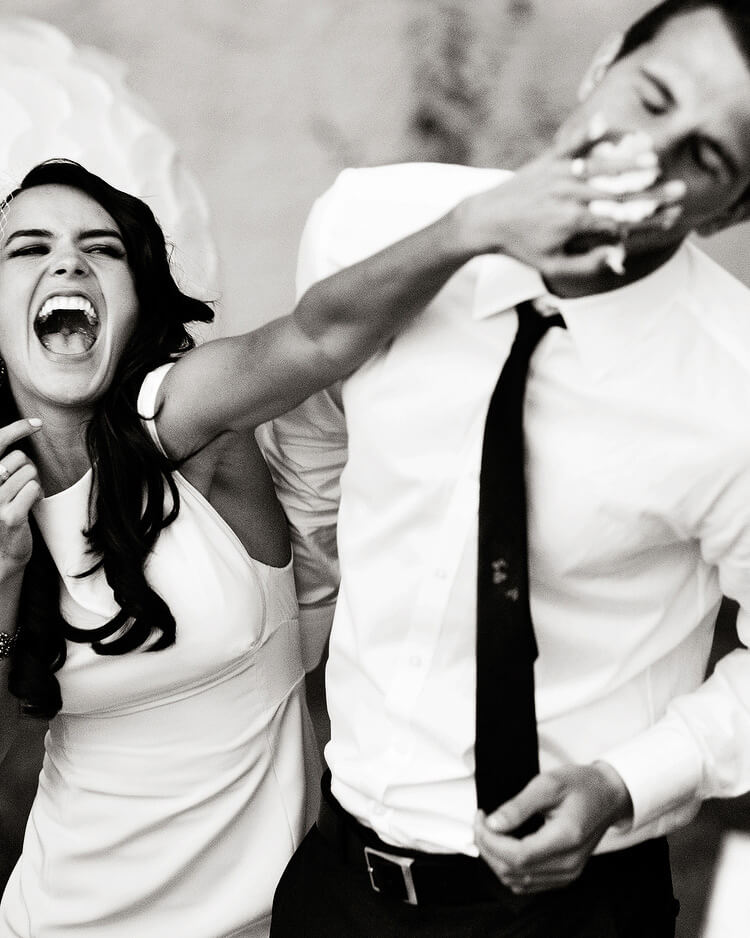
point(410, 876)
point(417, 878)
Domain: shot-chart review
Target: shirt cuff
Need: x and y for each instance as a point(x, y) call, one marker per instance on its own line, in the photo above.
point(315, 626)
point(662, 771)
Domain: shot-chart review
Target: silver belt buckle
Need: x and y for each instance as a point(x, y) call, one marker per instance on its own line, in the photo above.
point(404, 863)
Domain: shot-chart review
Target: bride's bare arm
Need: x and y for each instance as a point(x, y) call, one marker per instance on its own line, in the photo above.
point(342, 320)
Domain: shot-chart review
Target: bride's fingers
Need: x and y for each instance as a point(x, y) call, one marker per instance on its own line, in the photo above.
point(17, 480)
point(639, 208)
point(13, 432)
point(575, 140)
point(664, 219)
point(17, 511)
point(10, 462)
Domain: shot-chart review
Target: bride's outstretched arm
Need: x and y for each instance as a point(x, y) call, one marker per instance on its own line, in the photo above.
point(340, 321)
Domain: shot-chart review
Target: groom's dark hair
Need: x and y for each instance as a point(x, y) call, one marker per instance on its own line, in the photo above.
point(735, 12)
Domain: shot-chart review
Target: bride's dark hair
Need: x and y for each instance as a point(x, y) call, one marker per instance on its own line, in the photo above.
point(131, 478)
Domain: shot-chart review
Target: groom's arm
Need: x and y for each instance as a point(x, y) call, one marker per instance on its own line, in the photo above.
point(698, 749)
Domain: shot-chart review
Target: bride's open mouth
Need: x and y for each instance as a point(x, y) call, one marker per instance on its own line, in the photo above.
point(67, 325)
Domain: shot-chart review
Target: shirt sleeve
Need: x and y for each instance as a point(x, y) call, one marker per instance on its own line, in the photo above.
point(306, 451)
point(700, 748)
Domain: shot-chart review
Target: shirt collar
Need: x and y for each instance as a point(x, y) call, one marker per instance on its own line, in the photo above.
point(501, 283)
point(601, 325)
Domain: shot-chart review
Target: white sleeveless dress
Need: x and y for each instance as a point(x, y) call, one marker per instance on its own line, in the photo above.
point(173, 788)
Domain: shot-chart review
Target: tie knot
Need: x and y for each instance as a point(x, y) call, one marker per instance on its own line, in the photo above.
point(545, 306)
point(535, 317)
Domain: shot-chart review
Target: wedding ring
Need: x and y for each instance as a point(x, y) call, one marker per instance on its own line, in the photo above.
point(4, 474)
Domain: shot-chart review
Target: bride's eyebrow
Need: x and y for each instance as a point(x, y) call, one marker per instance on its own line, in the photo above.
point(100, 233)
point(29, 233)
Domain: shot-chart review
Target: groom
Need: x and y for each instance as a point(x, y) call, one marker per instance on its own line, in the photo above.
point(637, 474)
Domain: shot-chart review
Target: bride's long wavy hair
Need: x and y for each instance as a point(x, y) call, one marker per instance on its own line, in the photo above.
point(131, 478)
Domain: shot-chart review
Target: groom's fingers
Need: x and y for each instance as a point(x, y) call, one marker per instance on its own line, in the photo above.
point(541, 794)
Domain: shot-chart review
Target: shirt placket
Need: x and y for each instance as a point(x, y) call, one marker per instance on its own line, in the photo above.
point(414, 663)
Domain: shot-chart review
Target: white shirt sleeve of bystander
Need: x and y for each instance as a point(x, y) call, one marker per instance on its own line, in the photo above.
point(306, 451)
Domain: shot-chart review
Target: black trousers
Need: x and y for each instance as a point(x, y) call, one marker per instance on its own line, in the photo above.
point(627, 894)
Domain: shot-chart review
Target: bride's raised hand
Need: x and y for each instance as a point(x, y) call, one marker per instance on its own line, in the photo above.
point(20, 490)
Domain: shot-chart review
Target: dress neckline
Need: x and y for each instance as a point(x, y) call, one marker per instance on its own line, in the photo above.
point(83, 482)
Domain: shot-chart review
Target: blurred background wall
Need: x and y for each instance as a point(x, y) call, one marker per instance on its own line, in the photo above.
point(268, 99)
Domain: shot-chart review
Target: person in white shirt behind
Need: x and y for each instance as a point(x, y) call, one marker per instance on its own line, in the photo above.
point(638, 487)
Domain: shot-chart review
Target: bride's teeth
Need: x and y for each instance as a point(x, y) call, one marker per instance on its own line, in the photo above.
point(68, 302)
point(67, 325)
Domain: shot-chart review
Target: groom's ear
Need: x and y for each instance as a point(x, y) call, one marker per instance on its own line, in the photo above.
point(605, 56)
point(739, 212)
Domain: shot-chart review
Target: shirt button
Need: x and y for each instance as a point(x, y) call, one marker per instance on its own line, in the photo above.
point(415, 661)
point(441, 573)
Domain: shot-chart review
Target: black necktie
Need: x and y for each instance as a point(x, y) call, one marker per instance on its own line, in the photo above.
point(506, 747)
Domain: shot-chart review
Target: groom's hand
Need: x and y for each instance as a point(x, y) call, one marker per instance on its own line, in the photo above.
point(577, 802)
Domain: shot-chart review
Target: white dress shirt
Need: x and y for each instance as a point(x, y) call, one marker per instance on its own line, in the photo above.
point(637, 426)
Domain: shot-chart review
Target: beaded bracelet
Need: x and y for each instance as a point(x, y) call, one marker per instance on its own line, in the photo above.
point(6, 644)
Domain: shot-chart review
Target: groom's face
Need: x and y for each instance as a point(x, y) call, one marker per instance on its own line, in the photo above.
point(689, 89)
